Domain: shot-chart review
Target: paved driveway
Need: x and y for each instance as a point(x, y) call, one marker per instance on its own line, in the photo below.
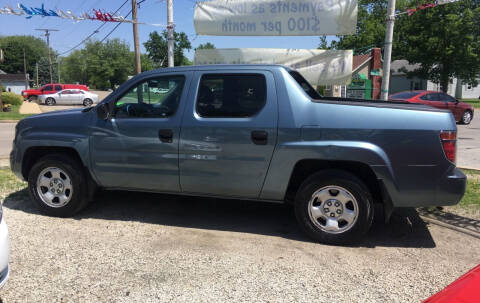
point(469, 144)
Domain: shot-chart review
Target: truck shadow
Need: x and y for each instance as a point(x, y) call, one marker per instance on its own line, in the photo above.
point(406, 228)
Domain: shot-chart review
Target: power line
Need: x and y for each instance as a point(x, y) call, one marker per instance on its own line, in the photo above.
point(94, 32)
point(116, 26)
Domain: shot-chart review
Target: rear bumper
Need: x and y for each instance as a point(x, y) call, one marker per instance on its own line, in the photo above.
point(4, 253)
point(451, 187)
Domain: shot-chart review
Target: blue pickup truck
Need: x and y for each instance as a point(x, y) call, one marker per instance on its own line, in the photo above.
point(258, 132)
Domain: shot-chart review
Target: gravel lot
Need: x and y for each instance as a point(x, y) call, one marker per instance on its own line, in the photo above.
point(156, 248)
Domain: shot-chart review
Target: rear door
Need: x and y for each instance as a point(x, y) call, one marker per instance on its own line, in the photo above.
point(229, 132)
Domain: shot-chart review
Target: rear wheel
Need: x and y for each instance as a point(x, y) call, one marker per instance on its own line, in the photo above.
point(87, 102)
point(50, 101)
point(57, 185)
point(334, 207)
point(467, 117)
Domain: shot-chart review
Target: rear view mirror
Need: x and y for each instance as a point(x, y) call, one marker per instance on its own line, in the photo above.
point(103, 111)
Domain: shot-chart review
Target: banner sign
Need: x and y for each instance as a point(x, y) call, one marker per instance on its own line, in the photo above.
point(29, 12)
point(319, 67)
point(275, 18)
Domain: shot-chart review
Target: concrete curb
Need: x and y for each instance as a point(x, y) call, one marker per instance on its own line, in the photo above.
point(452, 227)
point(470, 168)
point(9, 121)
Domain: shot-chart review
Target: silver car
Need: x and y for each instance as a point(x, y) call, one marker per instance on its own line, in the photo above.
point(4, 250)
point(69, 97)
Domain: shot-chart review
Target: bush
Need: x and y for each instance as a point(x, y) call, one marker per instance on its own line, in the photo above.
point(12, 98)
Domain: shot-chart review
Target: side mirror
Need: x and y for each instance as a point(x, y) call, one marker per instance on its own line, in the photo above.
point(103, 111)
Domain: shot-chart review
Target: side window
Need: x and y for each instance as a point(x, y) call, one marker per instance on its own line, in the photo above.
point(49, 87)
point(57, 88)
point(153, 98)
point(427, 97)
point(447, 98)
point(66, 92)
point(231, 96)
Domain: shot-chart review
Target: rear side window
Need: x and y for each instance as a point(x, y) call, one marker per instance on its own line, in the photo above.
point(404, 95)
point(231, 96)
point(58, 87)
point(428, 97)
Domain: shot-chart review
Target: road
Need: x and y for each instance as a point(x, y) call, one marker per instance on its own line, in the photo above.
point(468, 142)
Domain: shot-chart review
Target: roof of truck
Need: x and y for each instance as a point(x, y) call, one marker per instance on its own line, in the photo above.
point(219, 66)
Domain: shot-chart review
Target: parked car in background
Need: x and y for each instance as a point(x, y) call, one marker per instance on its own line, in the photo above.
point(69, 97)
point(254, 132)
point(463, 112)
point(4, 250)
point(32, 94)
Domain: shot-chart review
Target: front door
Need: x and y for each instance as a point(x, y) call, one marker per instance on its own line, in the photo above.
point(453, 106)
point(435, 100)
point(138, 147)
point(228, 134)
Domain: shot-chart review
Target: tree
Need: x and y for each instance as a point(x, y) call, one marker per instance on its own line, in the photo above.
point(100, 65)
point(445, 40)
point(323, 43)
point(156, 47)
point(207, 45)
point(44, 71)
point(13, 46)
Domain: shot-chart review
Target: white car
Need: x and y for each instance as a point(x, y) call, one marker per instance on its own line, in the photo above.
point(4, 250)
point(69, 97)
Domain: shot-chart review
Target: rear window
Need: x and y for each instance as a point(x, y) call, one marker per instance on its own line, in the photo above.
point(404, 95)
point(311, 92)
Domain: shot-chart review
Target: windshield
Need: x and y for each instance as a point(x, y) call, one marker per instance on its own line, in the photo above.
point(404, 95)
point(311, 92)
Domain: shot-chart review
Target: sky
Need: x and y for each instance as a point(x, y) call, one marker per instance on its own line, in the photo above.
point(150, 11)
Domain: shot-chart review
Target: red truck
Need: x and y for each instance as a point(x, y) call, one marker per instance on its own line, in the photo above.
point(32, 94)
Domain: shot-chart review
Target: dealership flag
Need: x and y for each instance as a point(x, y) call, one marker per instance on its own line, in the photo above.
point(275, 18)
point(319, 67)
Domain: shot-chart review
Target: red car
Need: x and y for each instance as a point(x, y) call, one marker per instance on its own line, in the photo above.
point(463, 112)
point(32, 94)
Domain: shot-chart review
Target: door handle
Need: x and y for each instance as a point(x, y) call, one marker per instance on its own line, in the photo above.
point(166, 135)
point(259, 137)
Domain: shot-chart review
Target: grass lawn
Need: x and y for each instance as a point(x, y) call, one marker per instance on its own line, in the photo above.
point(13, 115)
point(472, 196)
point(474, 102)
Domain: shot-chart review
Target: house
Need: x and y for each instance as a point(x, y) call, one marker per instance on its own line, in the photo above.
point(399, 81)
point(366, 78)
point(14, 83)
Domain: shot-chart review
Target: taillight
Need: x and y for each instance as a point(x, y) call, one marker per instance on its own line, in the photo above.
point(449, 143)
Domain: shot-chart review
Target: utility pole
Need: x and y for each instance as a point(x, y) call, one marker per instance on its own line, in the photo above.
point(387, 57)
point(58, 69)
point(36, 67)
point(47, 34)
point(170, 37)
point(136, 44)
point(25, 70)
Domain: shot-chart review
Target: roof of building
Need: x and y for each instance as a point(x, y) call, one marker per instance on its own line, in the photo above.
point(360, 60)
point(12, 77)
point(401, 67)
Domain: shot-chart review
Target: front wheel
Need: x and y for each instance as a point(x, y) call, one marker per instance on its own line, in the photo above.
point(32, 98)
point(50, 101)
point(334, 207)
point(467, 117)
point(57, 185)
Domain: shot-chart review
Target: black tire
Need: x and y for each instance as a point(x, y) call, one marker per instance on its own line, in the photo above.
point(87, 102)
point(466, 119)
point(50, 101)
point(76, 174)
point(32, 98)
point(353, 185)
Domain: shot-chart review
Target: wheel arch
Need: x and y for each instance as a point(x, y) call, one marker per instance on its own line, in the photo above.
point(307, 167)
point(34, 153)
